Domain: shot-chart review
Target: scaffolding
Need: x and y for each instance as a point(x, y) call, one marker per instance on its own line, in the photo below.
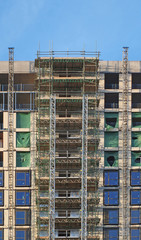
point(125, 144)
point(67, 166)
point(10, 144)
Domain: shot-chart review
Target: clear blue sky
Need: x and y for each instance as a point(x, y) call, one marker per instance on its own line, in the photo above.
point(105, 25)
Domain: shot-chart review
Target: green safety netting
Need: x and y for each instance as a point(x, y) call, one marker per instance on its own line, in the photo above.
point(136, 120)
point(111, 139)
point(23, 120)
point(111, 159)
point(22, 139)
point(113, 123)
point(136, 139)
point(135, 158)
point(23, 159)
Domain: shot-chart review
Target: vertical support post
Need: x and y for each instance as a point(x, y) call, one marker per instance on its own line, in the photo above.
point(10, 144)
point(15, 100)
point(125, 145)
point(3, 101)
point(84, 168)
point(52, 167)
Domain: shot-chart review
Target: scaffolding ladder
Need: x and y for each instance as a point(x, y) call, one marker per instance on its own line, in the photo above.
point(10, 143)
point(125, 142)
point(84, 168)
point(52, 167)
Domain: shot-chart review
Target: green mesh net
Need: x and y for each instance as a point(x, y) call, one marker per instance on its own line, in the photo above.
point(111, 159)
point(23, 159)
point(111, 139)
point(111, 120)
point(22, 139)
point(136, 120)
point(23, 120)
point(136, 139)
point(135, 158)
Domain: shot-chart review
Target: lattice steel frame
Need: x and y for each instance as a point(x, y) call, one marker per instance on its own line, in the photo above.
point(10, 143)
point(52, 167)
point(125, 142)
point(84, 168)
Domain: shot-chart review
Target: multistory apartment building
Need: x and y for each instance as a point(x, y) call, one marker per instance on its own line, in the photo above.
point(70, 148)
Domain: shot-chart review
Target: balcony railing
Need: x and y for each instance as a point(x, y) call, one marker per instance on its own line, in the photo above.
point(19, 106)
point(111, 105)
point(136, 105)
point(136, 86)
point(18, 87)
point(112, 86)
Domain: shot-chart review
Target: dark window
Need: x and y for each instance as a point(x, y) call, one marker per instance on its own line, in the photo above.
point(135, 216)
point(136, 178)
point(136, 100)
point(136, 81)
point(23, 235)
point(111, 234)
point(135, 234)
point(1, 217)
point(111, 100)
point(23, 179)
point(111, 80)
point(111, 197)
point(111, 122)
point(111, 160)
point(22, 198)
point(111, 216)
point(135, 197)
point(1, 198)
point(111, 178)
point(136, 122)
point(23, 217)
point(1, 159)
point(1, 235)
point(1, 178)
point(61, 233)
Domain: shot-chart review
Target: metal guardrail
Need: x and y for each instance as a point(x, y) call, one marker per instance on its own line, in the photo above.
point(111, 105)
point(18, 87)
point(112, 86)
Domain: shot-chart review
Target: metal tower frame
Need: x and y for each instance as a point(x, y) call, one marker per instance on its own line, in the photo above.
point(125, 142)
point(52, 167)
point(84, 168)
point(10, 143)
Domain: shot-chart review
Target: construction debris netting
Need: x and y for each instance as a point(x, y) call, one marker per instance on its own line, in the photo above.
point(111, 159)
point(23, 159)
point(136, 139)
point(135, 158)
point(111, 120)
point(23, 120)
point(22, 139)
point(111, 139)
point(136, 120)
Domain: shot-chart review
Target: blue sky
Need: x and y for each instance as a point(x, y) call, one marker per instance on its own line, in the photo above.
point(104, 25)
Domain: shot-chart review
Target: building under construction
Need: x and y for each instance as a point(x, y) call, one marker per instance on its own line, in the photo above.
point(70, 147)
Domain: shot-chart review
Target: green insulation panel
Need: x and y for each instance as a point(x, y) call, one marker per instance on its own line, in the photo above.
point(23, 159)
point(136, 120)
point(23, 120)
point(111, 120)
point(111, 159)
point(22, 139)
point(136, 139)
point(111, 139)
point(135, 158)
